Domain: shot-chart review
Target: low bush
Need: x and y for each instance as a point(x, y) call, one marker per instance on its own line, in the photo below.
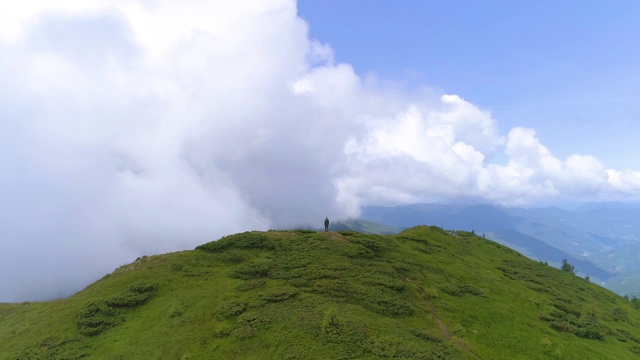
point(385, 282)
point(389, 306)
point(232, 256)
point(564, 326)
point(56, 347)
point(461, 290)
point(136, 295)
point(331, 325)
point(431, 293)
point(590, 332)
point(620, 314)
point(360, 252)
point(248, 324)
point(230, 309)
point(278, 294)
point(368, 242)
point(304, 231)
point(246, 240)
point(251, 284)
point(251, 270)
point(95, 317)
point(99, 315)
point(386, 347)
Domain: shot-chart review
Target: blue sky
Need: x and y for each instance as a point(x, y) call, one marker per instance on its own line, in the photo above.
point(569, 69)
point(137, 127)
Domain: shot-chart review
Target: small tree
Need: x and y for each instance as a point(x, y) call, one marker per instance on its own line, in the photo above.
point(332, 325)
point(567, 267)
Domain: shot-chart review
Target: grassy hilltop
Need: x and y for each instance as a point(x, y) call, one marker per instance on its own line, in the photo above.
point(422, 294)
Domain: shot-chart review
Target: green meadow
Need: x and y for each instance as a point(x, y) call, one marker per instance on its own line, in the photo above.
point(424, 293)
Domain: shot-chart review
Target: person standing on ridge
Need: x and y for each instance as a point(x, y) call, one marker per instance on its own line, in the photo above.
point(326, 224)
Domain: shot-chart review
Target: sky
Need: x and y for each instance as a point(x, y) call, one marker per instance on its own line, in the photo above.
point(133, 128)
point(568, 69)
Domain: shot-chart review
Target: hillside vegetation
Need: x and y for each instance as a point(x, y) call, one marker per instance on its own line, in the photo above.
point(424, 293)
point(601, 239)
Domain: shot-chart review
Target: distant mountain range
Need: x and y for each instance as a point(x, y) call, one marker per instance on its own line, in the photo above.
point(602, 240)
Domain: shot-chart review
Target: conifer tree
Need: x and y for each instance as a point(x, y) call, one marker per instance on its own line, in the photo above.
point(567, 267)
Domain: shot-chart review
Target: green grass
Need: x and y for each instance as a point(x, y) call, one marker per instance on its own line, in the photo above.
point(420, 294)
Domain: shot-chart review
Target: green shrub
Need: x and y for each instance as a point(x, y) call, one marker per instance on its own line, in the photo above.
point(214, 246)
point(278, 294)
point(368, 242)
point(620, 314)
point(251, 284)
point(249, 323)
point(426, 335)
point(136, 295)
point(331, 325)
point(385, 282)
point(232, 256)
point(56, 347)
point(142, 287)
point(177, 267)
point(389, 306)
point(95, 317)
point(299, 282)
point(431, 293)
point(304, 231)
point(250, 240)
point(127, 300)
point(175, 311)
point(624, 335)
point(472, 290)
point(566, 306)
point(232, 308)
point(564, 326)
point(360, 252)
point(251, 270)
point(99, 315)
point(222, 330)
point(463, 233)
point(246, 240)
point(461, 290)
point(590, 332)
point(386, 347)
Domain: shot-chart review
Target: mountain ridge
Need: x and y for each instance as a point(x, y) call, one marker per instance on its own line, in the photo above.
point(603, 238)
point(425, 293)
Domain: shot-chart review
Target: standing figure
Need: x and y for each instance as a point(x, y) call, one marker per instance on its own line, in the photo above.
point(326, 224)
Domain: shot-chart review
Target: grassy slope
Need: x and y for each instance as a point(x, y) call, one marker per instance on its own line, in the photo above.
point(422, 294)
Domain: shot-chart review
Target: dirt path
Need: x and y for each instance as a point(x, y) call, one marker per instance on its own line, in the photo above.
point(442, 326)
point(335, 236)
point(444, 329)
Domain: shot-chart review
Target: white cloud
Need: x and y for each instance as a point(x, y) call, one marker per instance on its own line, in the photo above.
point(430, 150)
point(139, 127)
point(626, 182)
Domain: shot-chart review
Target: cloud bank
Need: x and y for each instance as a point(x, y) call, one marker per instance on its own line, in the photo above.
point(140, 127)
